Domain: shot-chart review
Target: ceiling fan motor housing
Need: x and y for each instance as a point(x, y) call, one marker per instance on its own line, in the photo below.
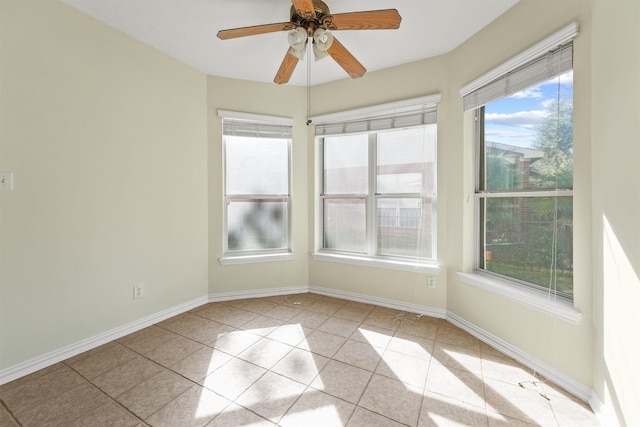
point(312, 21)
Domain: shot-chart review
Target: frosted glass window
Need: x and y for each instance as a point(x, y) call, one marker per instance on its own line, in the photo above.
point(256, 224)
point(378, 195)
point(346, 164)
point(257, 165)
point(345, 224)
point(257, 179)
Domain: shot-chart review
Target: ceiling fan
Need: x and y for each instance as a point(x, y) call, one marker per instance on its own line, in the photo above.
point(312, 19)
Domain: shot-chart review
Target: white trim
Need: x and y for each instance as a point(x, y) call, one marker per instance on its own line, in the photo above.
point(246, 259)
point(560, 192)
point(260, 293)
point(557, 307)
point(368, 261)
point(553, 41)
point(53, 357)
point(439, 313)
point(557, 377)
point(276, 120)
point(399, 107)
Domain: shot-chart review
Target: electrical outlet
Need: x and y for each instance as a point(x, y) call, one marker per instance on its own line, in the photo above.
point(6, 181)
point(431, 282)
point(138, 291)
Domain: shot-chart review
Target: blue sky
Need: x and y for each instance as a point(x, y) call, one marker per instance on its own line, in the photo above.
point(514, 120)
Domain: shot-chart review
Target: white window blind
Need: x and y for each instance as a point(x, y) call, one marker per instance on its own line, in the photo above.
point(553, 64)
point(397, 115)
point(255, 125)
point(549, 58)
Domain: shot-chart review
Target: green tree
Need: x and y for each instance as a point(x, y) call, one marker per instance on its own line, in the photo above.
point(555, 139)
point(531, 238)
point(555, 170)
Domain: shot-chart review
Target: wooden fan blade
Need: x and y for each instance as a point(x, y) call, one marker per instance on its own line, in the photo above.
point(346, 60)
point(304, 8)
point(254, 30)
point(286, 68)
point(387, 19)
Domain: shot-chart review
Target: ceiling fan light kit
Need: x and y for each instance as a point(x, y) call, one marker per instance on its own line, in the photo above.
point(310, 19)
point(322, 41)
point(298, 41)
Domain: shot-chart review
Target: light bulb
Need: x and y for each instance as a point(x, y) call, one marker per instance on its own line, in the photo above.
point(322, 41)
point(298, 41)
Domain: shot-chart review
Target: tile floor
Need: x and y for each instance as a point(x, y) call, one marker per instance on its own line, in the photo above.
point(292, 361)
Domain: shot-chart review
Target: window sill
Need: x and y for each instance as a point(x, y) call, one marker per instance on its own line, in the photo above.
point(416, 266)
point(557, 307)
point(246, 259)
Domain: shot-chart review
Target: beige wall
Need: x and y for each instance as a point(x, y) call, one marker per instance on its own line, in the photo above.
point(615, 130)
point(107, 142)
point(269, 99)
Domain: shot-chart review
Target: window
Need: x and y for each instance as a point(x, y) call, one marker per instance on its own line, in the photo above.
point(378, 187)
point(257, 200)
point(524, 197)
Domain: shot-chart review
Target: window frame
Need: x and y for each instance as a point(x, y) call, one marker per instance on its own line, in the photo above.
point(256, 255)
point(481, 91)
point(559, 308)
point(371, 257)
point(481, 195)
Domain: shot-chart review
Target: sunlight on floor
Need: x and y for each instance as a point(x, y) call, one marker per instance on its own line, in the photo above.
point(327, 415)
point(209, 404)
point(376, 339)
point(298, 363)
point(405, 360)
point(444, 411)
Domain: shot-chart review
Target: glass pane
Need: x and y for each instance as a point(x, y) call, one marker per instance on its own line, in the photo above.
point(345, 223)
point(255, 225)
point(256, 165)
point(528, 138)
point(525, 239)
point(406, 161)
point(346, 164)
point(404, 227)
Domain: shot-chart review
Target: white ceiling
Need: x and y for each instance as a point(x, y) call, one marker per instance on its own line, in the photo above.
point(186, 30)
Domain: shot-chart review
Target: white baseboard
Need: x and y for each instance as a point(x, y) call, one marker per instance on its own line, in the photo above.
point(53, 357)
point(261, 293)
point(574, 387)
point(606, 416)
point(398, 305)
